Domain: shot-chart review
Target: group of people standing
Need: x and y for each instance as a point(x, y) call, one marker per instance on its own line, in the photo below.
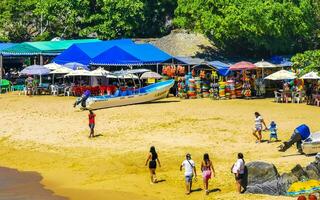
point(190, 172)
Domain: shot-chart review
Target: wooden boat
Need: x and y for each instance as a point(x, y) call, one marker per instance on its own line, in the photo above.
point(146, 94)
point(312, 144)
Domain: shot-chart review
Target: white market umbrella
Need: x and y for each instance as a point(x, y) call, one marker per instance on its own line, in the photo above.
point(99, 72)
point(79, 72)
point(35, 70)
point(154, 75)
point(264, 65)
point(281, 75)
point(52, 66)
point(61, 70)
point(311, 75)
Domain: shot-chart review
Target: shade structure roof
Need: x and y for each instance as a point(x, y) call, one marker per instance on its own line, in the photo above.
point(4, 46)
point(281, 75)
point(265, 64)
point(84, 52)
point(311, 75)
point(190, 60)
point(52, 66)
point(137, 54)
point(61, 70)
point(222, 68)
point(147, 75)
point(243, 65)
point(35, 70)
point(43, 47)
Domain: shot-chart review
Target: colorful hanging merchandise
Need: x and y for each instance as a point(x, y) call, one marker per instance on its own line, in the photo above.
point(205, 89)
point(198, 86)
point(246, 89)
point(182, 89)
point(214, 91)
point(238, 88)
point(232, 90)
point(222, 87)
point(192, 89)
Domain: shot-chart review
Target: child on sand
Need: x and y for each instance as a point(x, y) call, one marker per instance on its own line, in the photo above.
point(91, 123)
point(207, 170)
point(190, 171)
point(273, 131)
point(153, 159)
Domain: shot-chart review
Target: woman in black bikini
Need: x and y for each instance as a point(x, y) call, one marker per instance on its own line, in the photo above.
point(153, 159)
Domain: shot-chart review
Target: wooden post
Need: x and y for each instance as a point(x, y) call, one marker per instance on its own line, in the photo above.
point(41, 59)
point(158, 68)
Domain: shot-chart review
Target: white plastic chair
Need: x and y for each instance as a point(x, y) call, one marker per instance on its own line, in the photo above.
point(297, 98)
point(277, 97)
point(54, 90)
point(67, 91)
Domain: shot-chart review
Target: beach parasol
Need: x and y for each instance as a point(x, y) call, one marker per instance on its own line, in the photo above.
point(281, 75)
point(311, 75)
point(242, 66)
point(79, 72)
point(35, 70)
point(61, 70)
point(75, 66)
point(265, 64)
point(52, 66)
point(99, 72)
point(154, 75)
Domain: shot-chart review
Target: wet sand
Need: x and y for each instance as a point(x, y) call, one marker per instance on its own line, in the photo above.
point(16, 185)
point(46, 135)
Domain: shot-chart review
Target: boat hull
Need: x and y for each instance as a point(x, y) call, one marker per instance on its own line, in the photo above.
point(312, 145)
point(155, 93)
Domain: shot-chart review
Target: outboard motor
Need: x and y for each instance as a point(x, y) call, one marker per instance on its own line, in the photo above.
point(83, 99)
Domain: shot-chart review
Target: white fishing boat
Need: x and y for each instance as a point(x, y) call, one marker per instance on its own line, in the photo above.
point(149, 93)
point(312, 144)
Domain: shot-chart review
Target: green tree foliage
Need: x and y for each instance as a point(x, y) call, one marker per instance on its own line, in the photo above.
point(307, 61)
point(249, 27)
point(22, 20)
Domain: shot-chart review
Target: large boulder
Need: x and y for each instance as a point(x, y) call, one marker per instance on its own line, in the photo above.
point(261, 172)
point(269, 187)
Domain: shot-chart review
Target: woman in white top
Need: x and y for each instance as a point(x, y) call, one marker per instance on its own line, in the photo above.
point(258, 126)
point(238, 171)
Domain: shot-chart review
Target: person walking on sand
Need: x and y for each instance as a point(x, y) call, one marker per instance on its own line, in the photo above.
point(91, 123)
point(238, 171)
point(190, 171)
point(258, 127)
point(207, 170)
point(153, 159)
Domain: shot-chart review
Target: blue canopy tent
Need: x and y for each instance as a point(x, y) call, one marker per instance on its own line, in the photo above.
point(84, 53)
point(281, 61)
point(222, 68)
point(138, 54)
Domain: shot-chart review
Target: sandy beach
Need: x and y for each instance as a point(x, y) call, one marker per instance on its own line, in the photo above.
point(45, 134)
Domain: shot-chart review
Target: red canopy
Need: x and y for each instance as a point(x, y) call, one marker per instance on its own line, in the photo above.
point(242, 66)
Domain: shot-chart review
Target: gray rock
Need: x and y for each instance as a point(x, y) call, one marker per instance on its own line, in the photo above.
point(285, 181)
point(261, 172)
point(269, 187)
point(299, 172)
point(312, 174)
point(314, 167)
